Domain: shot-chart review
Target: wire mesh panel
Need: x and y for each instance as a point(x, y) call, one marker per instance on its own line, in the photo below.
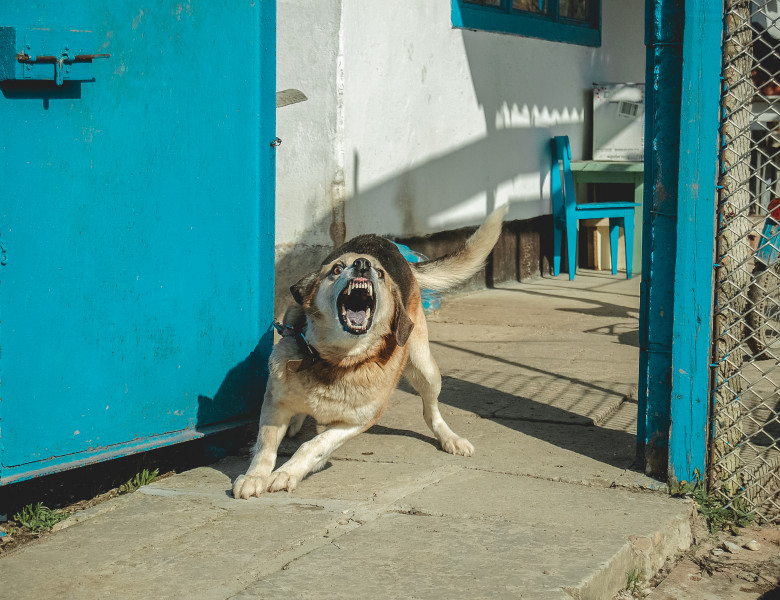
point(745, 448)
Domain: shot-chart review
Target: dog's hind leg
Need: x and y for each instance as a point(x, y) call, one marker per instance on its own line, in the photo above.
point(295, 424)
point(423, 373)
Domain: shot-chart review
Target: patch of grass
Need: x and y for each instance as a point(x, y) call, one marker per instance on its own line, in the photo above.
point(720, 515)
point(142, 478)
point(634, 579)
point(38, 518)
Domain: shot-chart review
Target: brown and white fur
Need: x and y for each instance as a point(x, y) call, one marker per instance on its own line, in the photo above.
point(362, 313)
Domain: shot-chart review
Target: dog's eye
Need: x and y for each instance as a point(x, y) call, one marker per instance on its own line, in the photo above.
point(337, 269)
point(380, 273)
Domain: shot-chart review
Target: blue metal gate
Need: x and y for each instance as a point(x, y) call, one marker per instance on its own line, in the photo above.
point(136, 224)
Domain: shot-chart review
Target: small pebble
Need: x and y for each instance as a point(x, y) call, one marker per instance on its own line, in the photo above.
point(752, 545)
point(731, 547)
point(717, 551)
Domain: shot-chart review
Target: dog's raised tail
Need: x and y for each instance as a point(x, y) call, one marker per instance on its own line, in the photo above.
point(444, 273)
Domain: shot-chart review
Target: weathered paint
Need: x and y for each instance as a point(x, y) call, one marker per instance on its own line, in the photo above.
point(137, 220)
point(664, 36)
point(694, 273)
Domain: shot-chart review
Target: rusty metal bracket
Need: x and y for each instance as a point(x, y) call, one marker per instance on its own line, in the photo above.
point(46, 54)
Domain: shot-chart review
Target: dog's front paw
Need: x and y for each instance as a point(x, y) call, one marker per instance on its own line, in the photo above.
point(458, 446)
point(247, 486)
point(282, 480)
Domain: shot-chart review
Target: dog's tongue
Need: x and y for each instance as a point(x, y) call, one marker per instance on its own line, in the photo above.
point(356, 317)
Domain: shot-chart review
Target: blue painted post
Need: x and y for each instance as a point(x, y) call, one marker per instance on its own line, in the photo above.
point(664, 35)
point(695, 241)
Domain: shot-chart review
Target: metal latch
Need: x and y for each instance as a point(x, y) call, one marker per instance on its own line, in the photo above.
point(47, 54)
point(62, 62)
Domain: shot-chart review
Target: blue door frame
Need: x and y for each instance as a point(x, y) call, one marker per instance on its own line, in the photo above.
point(137, 225)
point(681, 153)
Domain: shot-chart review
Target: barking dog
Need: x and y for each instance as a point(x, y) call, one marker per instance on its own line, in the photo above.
point(356, 327)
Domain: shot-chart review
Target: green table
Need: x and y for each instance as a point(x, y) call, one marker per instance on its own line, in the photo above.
point(604, 171)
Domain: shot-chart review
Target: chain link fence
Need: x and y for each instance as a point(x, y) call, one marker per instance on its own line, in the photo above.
point(745, 446)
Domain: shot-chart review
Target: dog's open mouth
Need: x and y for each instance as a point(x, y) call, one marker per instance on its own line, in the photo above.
point(356, 305)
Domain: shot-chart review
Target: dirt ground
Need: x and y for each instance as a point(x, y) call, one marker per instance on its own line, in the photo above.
point(718, 567)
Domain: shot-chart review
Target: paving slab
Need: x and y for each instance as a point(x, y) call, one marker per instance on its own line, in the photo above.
point(540, 376)
point(565, 540)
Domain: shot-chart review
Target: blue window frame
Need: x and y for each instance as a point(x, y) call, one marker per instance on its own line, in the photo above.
point(570, 21)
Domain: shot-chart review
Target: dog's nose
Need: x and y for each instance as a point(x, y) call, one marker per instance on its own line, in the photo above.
point(361, 265)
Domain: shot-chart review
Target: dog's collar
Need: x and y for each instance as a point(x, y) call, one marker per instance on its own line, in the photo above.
point(310, 354)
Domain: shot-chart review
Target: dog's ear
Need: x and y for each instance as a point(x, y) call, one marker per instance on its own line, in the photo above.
point(402, 323)
point(295, 317)
point(301, 290)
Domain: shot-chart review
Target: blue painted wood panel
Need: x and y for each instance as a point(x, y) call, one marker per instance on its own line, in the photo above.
point(664, 38)
point(694, 269)
point(136, 213)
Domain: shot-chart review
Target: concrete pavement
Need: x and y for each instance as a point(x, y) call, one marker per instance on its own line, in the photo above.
point(539, 376)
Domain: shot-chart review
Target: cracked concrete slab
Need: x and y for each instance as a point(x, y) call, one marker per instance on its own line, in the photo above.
point(487, 535)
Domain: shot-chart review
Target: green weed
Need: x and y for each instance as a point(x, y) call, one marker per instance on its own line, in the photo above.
point(720, 515)
point(145, 477)
point(634, 579)
point(38, 517)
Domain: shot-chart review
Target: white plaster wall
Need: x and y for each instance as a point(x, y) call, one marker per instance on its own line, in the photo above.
point(309, 175)
point(413, 126)
point(310, 188)
point(442, 124)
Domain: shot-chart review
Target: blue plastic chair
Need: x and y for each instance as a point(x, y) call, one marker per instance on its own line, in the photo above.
point(566, 214)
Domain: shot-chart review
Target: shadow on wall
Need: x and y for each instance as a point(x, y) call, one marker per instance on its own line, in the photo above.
point(241, 392)
point(431, 195)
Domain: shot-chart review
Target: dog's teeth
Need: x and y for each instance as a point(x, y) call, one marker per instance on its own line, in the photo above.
point(368, 313)
point(370, 288)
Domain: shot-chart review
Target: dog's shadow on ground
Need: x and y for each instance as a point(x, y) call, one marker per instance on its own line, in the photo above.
point(559, 427)
point(562, 428)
